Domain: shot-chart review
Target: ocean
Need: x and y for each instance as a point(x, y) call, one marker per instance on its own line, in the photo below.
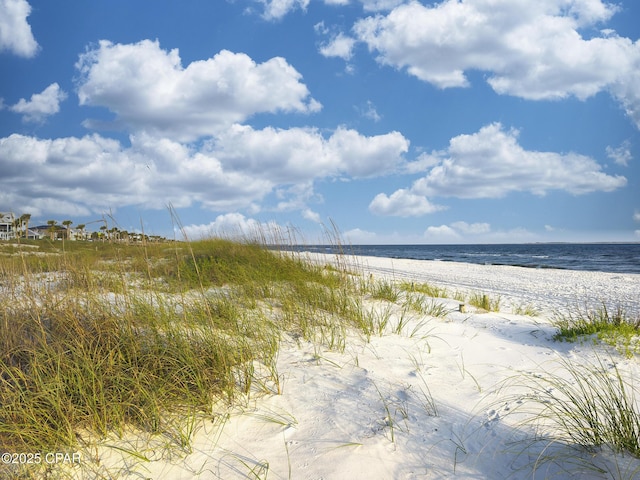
point(603, 257)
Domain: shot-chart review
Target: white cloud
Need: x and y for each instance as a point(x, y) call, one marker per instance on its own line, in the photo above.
point(311, 215)
point(402, 203)
point(621, 154)
point(15, 32)
point(339, 46)
point(491, 164)
point(471, 228)
point(148, 89)
point(235, 226)
point(423, 163)
point(276, 9)
point(531, 48)
point(370, 112)
point(298, 154)
point(95, 174)
point(439, 233)
point(237, 170)
point(359, 236)
point(458, 231)
point(41, 105)
point(636, 216)
point(378, 5)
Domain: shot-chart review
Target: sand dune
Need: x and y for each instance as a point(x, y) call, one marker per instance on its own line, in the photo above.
point(430, 402)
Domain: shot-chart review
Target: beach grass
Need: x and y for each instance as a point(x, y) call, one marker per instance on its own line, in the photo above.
point(484, 302)
point(590, 405)
point(99, 338)
point(612, 325)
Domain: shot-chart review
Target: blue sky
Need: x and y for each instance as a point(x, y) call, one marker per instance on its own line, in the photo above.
point(469, 121)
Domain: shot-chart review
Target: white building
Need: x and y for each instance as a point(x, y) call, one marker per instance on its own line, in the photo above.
point(7, 226)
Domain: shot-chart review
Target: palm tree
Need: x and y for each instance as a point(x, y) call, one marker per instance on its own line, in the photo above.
point(67, 224)
point(52, 228)
point(104, 229)
point(15, 227)
point(81, 227)
point(25, 221)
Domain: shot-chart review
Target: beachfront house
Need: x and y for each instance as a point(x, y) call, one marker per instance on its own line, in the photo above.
point(7, 226)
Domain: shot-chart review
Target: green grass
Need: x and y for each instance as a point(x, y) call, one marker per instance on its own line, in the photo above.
point(612, 325)
point(385, 290)
point(427, 289)
point(100, 338)
point(591, 405)
point(484, 302)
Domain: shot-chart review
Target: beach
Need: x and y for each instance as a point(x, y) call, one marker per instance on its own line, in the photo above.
point(445, 397)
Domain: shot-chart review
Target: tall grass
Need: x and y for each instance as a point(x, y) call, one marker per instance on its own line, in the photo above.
point(613, 325)
point(99, 338)
point(591, 405)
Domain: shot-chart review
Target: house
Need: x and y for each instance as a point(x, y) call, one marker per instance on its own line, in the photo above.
point(48, 231)
point(7, 226)
point(33, 235)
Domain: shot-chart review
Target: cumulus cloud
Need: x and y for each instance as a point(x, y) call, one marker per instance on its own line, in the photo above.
point(491, 164)
point(531, 49)
point(276, 9)
point(621, 154)
point(358, 235)
point(311, 215)
point(370, 112)
point(148, 89)
point(235, 226)
point(378, 5)
point(636, 216)
point(298, 154)
point(464, 232)
point(441, 232)
point(471, 228)
point(41, 105)
point(15, 32)
point(340, 46)
point(95, 174)
point(402, 203)
point(458, 230)
point(232, 172)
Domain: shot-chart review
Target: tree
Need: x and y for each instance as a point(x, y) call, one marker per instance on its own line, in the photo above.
point(67, 224)
point(52, 228)
point(81, 227)
point(104, 229)
point(25, 220)
point(15, 227)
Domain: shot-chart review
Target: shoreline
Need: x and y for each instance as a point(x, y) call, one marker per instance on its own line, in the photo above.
point(548, 289)
point(600, 257)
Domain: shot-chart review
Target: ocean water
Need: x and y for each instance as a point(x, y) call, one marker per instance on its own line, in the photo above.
point(603, 257)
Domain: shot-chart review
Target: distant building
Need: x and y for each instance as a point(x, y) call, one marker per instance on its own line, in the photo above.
point(7, 226)
point(47, 231)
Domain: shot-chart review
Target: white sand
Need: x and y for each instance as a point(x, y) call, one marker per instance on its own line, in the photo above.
point(407, 406)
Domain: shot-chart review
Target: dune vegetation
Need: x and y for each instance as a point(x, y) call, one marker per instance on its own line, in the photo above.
point(101, 338)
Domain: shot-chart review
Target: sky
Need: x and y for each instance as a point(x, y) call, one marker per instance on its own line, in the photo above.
point(397, 122)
